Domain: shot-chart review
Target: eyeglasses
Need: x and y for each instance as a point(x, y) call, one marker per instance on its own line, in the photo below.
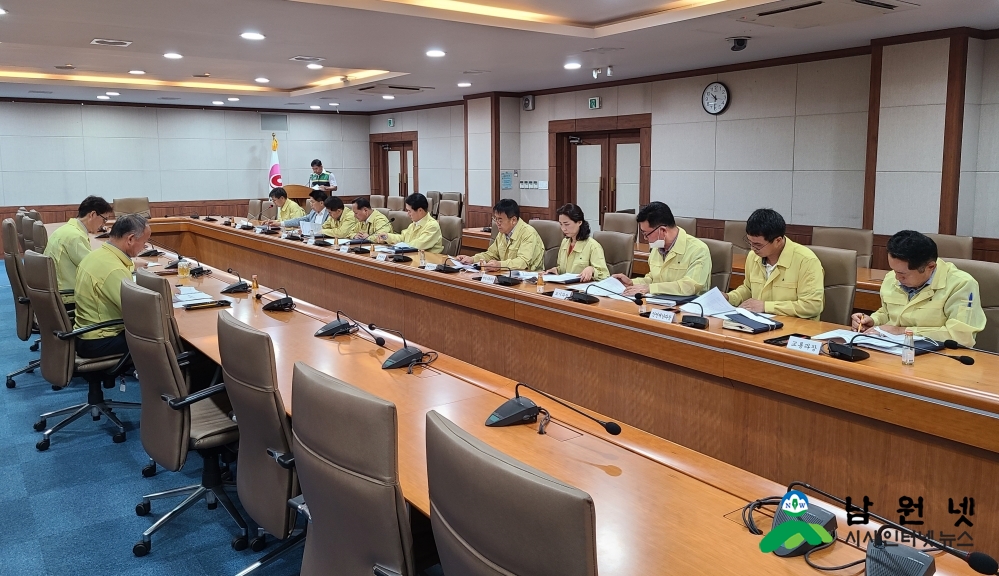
point(757, 247)
point(650, 232)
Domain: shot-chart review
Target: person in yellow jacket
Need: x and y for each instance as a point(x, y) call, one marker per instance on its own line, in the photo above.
point(517, 246)
point(287, 210)
point(679, 264)
point(370, 222)
point(782, 276)
point(70, 243)
point(424, 233)
point(578, 253)
point(341, 222)
point(931, 296)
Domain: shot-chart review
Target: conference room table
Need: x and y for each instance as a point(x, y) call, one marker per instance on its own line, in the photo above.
point(867, 299)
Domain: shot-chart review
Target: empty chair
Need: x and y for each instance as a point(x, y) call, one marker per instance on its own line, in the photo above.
point(377, 201)
point(434, 198)
point(451, 196)
point(39, 236)
point(174, 421)
point(735, 232)
point(840, 274)
point(987, 276)
point(847, 239)
point(619, 251)
point(689, 225)
point(432, 206)
point(253, 210)
point(18, 217)
point(950, 246)
point(479, 498)
point(721, 263)
point(28, 232)
point(401, 222)
point(161, 286)
point(395, 203)
point(136, 205)
point(269, 210)
point(24, 317)
point(34, 215)
point(451, 231)
point(449, 208)
point(551, 234)
point(621, 222)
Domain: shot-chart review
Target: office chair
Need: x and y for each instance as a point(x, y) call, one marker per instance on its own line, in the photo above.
point(28, 232)
point(434, 197)
point(18, 218)
point(721, 263)
point(621, 222)
point(689, 225)
point(987, 276)
point(619, 251)
point(377, 201)
point(950, 246)
point(137, 205)
point(401, 222)
point(551, 236)
point(839, 268)
point(24, 317)
point(735, 232)
point(847, 239)
point(253, 209)
point(39, 236)
point(395, 203)
point(451, 233)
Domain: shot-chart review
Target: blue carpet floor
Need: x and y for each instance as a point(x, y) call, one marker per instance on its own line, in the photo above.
point(71, 509)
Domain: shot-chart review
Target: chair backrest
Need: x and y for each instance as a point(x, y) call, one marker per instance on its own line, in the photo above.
point(721, 263)
point(377, 201)
point(689, 225)
point(551, 235)
point(735, 232)
point(848, 239)
point(434, 197)
point(253, 210)
point(251, 381)
point(448, 208)
point(39, 236)
point(401, 222)
point(58, 356)
point(269, 210)
point(384, 211)
point(18, 217)
point(949, 246)
point(23, 316)
point(451, 227)
point(433, 194)
point(432, 206)
point(122, 206)
point(839, 268)
point(479, 498)
point(34, 215)
point(165, 432)
point(161, 286)
point(346, 454)
point(987, 276)
point(395, 203)
point(621, 222)
point(28, 232)
point(619, 250)
point(451, 196)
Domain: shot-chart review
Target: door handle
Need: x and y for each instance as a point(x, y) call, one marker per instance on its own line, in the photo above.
point(613, 184)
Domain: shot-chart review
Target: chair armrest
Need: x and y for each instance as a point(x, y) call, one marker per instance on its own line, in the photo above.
point(298, 504)
point(184, 358)
point(85, 329)
point(23, 300)
point(286, 461)
point(67, 292)
point(383, 571)
point(178, 403)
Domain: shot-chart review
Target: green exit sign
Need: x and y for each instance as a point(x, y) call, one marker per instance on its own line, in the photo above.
point(595, 103)
point(391, 122)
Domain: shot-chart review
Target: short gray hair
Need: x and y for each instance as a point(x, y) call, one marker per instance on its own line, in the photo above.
point(128, 224)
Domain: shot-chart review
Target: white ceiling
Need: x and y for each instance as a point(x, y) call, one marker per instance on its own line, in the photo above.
point(37, 35)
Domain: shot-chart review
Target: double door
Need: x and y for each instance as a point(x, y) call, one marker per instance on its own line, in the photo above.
point(399, 162)
point(605, 169)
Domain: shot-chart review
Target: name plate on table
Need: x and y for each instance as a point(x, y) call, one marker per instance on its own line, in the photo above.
point(345, 248)
point(562, 294)
point(431, 267)
point(382, 257)
point(487, 279)
point(813, 347)
point(662, 315)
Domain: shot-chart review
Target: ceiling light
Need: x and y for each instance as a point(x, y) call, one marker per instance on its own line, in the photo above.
point(2, 11)
point(233, 99)
point(464, 84)
point(573, 66)
point(314, 107)
point(252, 36)
point(66, 67)
point(218, 102)
point(261, 80)
point(435, 53)
point(137, 72)
point(103, 97)
point(202, 75)
point(314, 66)
point(334, 103)
point(112, 94)
point(172, 56)
point(388, 97)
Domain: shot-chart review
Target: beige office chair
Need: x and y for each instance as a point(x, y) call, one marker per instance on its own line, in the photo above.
point(451, 230)
point(847, 239)
point(250, 375)
point(721, 263)
point(456, 196)
point(384, 211)
point(377, 201)
point(18, 217)
point(39, 236)
point(949, 246)
point(434, 197)
point(987, 276)
point(174, 421)
point(24, 317)
point(28, 232)
point(253, 210)
point(840, 279)
point(122, 206)
point(621, 222)
point(449, 208)
point(479, 498)
point(59, 362)
point(401, 222)
point(269, 210)
point(159, 284)
point(395, 203)
point(619, 251)
point(689, 225)
point(346, 453)
point(735, 232)
point(551, 236)
point(432, 206)
point(34, 214)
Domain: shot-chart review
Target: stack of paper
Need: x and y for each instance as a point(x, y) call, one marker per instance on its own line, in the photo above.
point(455, 264)
point(606, 288)
point(714, 303)
point(190, 295)
point(562, 278)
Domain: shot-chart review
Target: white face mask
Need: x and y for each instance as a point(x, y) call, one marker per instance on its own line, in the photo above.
point(658, 245)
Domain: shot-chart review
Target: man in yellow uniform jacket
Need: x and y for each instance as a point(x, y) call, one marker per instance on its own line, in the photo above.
point(287, 210)
point(341, 222)
point(98, 287)
point(424, 233)
point(370, 222)
point(925, 293)
point(517, 246)
point(782, 276)
point(70, 243)
point(679, 264)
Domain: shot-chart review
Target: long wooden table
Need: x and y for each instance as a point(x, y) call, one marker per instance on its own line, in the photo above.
point(875, 428)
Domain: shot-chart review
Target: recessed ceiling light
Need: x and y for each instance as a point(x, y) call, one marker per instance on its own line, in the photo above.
point(334, 103)
point(314, 66)
point(435, 53)
point(261, 80)
point(2, 11)
point(137, 72)
point(66, 67)
point(573, 66)
point(388, 97)
point(103, 97)
point(252, 36)
point(218, 102)
point(314, 107)
point(172, 56)
point(464, 84)
point(233, 99)
point(112, 94)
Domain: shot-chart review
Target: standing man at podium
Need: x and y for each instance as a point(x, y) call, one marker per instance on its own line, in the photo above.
point(321, 179)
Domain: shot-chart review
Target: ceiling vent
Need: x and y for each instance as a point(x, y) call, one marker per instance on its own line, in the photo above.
point(602, 50)
point(392, 89)
point(168, 98)
point(474, 72)
point(65, 67)
point(39, 91)
point(107, 42)
point(798, 14)
point(307, 59)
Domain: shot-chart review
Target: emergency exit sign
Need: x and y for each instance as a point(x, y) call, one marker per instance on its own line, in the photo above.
point(391, 122)
point(595, 103)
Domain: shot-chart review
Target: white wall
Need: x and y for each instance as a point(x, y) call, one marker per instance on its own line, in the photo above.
point(440, 144)
point(480, 173)
point(509, 127)
point(59, 153)
point(986, 197)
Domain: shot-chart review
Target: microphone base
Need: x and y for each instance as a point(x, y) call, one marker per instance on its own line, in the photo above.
point(814, 515)
point(847, 352)
point(336, 328)
point(280, 305)
point(892, 559)
point(508, 281)
point(519, 410)
point(691, 321)
point(402, 358)
point(236, 288)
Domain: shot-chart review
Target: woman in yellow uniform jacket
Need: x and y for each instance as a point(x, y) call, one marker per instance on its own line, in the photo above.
point(578, 253)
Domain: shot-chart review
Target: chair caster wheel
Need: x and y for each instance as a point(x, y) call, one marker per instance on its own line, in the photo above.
point(42, 445)
point(118, 438)
point(258, 543)
point(213, 505)
point(141, 549)
point(96, 417)
point(10, 382)
point(239, 543)
point(56, 388)
point(149, 470)
point(143, 508)
point(33, 347)
point(40, 425)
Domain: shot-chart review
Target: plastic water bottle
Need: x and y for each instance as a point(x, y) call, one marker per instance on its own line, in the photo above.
point(423, 258)
point(908, 352)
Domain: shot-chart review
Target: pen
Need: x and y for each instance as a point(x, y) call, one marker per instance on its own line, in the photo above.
point(971, 298)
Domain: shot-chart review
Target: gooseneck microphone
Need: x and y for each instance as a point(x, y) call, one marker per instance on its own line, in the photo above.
point(523, 410)
point(955, 345)
point(611, 427)
point(966, 360)
point(285, 304)
point(340, 327)
point(691, 321)
point(405, 356)
point(236, 287)
point(508, 280)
